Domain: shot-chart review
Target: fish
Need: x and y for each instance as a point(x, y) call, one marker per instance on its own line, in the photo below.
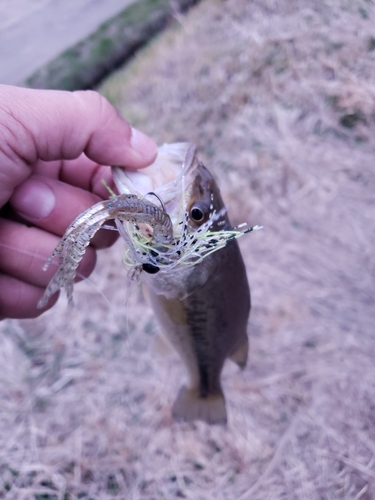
point(202, 309)
point(184, 250)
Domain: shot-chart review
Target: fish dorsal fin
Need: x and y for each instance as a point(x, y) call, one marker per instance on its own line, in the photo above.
point(189, 406)
point(240, 354)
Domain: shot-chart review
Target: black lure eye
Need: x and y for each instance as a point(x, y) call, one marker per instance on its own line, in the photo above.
point(150, 269)
point(197, 214)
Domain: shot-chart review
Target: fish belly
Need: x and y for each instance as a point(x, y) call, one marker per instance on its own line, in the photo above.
point(205, 328)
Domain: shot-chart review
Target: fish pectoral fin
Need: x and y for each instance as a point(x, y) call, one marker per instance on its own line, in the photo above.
point(240, 354)
point(190, 406)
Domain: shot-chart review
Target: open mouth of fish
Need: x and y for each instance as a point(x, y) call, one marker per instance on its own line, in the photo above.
point(152, 215)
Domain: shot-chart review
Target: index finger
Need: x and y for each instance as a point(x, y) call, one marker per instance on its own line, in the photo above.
point(82, 173)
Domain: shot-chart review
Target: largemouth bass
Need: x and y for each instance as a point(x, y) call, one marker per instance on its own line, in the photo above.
point(184, 249)
point(202, 309)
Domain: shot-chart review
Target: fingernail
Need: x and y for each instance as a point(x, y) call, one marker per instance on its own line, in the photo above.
point(33, 199)
point(142, 144)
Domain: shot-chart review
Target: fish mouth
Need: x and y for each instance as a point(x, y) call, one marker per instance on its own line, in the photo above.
point(169, 178)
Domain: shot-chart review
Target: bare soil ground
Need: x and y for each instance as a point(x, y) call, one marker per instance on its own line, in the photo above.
point(280, 98)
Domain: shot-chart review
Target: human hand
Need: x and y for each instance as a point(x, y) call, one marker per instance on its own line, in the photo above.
point(54, 148)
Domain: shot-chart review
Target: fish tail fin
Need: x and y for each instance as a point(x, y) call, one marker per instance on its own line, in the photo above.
point(240, 354)
point(190, 406)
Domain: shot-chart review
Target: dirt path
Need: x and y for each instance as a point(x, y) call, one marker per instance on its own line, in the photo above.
point(279, 97)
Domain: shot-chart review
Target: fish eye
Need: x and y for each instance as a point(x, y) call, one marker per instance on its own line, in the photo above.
point(197, 214)
point(199, 211)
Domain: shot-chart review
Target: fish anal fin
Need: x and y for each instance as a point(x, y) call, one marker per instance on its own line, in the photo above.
point(240, 354)
point(189, 406)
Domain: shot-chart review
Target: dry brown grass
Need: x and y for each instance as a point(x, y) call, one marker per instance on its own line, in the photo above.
point(280, 98)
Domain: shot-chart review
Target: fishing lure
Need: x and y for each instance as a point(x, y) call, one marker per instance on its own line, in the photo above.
point(77, 237)
point(146, 250)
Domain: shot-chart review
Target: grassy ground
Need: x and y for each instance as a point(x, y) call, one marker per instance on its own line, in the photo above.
point(280, 99)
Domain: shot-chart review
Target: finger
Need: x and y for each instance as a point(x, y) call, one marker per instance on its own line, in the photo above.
point(87, 175)
point(24, 251)
point(52, 125)
point(19, 299)
point(82, 173)
point(49, 169)
point(53, 205)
